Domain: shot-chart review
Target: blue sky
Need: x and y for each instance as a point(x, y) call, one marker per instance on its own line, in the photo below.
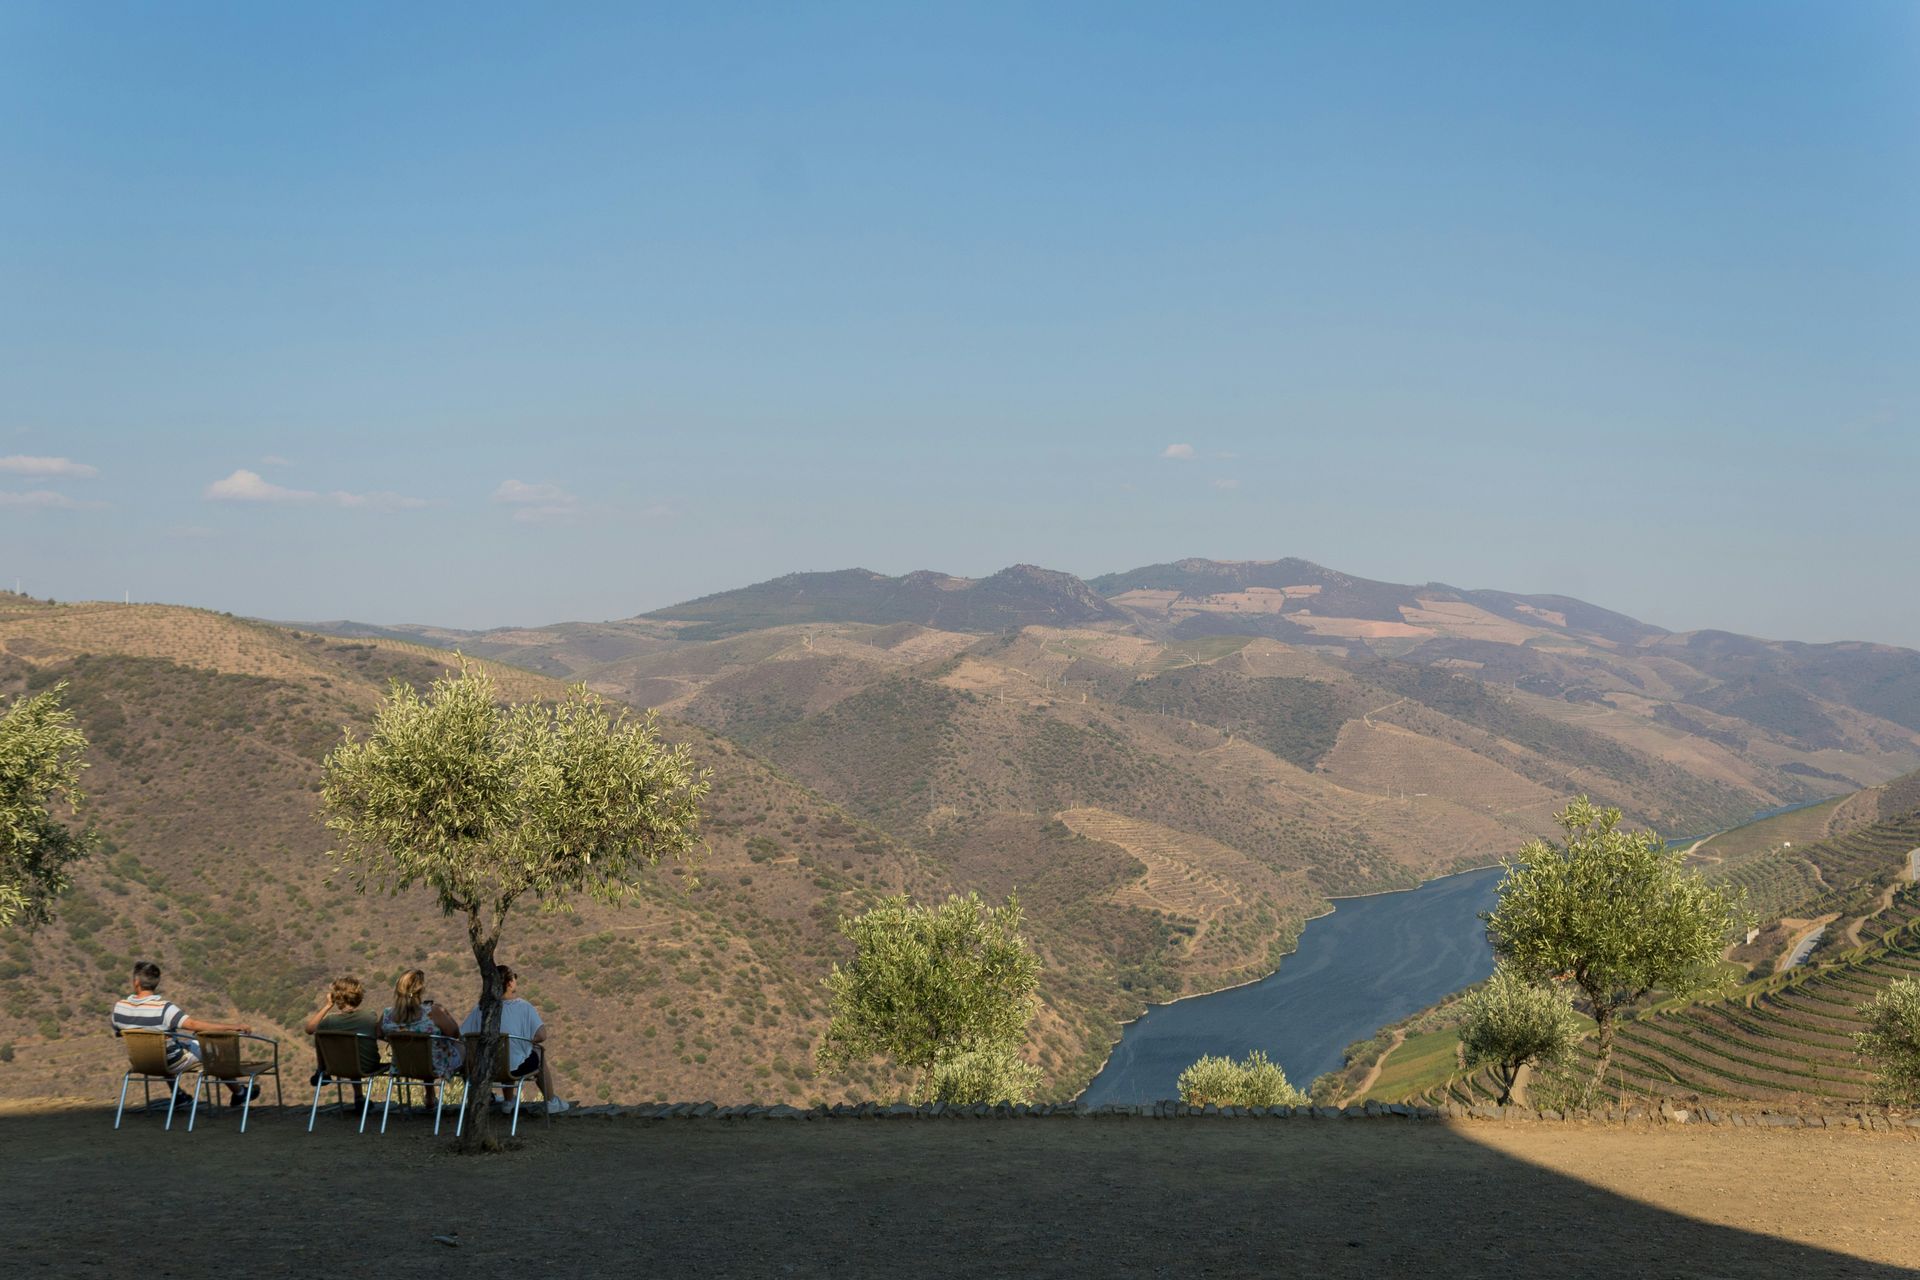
point(489, 314)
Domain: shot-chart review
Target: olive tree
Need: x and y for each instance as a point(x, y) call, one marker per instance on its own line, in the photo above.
point(1892, 1040)
point(1255, 1082)
point(40, 765)
point(487, 805)
point(945, 991)
point(1512, 1023)
point(1613, 911)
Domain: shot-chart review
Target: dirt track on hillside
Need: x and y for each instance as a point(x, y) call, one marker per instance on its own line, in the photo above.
point(1055, 1197)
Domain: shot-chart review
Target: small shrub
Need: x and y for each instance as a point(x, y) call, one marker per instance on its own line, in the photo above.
point(1255, 1082)
point(988, 1075)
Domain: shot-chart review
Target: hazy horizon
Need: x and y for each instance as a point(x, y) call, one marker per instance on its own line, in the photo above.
point(481, 316)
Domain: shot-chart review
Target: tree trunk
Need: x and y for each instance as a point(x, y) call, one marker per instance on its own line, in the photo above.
point(1506, 1075)
point(480, 1065)
point(1603, 1021)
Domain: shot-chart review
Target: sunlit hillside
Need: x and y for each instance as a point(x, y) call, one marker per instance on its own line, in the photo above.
point(1174, 768)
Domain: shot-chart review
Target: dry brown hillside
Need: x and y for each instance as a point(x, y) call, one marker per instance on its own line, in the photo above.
point(1172, 782)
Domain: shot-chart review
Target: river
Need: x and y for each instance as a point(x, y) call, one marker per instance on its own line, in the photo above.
point(1373, 961)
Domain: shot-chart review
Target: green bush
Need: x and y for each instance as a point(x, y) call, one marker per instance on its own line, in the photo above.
point(1892, 1041)
point(989, 1075)
point(1255, 1082)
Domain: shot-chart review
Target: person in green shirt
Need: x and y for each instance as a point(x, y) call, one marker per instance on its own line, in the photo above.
point(340, 1010)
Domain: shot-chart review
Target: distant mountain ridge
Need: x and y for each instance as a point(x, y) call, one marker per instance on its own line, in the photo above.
point(1715, 684)
point(1022, 595)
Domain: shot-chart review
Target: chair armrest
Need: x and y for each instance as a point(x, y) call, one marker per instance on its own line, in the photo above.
point(272, 1040)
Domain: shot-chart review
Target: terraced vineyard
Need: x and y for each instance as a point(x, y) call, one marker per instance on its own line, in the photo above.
point(1774, 883)
point(1231, 908)
point(1788, 1038)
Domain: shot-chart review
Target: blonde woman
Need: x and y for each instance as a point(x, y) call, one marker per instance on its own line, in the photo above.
point(412, 1011)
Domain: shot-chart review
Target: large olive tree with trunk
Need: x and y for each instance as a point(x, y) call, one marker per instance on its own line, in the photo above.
point(40, 762)
point(1615, 912)
point(488, 805)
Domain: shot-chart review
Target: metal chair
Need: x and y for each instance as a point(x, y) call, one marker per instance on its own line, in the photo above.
point(339, 1053)
point(502, 1075)
point(221, 1062)
point(413, 1064)
point(147, 1062)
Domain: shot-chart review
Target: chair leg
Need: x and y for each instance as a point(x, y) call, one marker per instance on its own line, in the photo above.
point(193, 1113)
point(440, 1106)
point(386, 1108)
point(246, 1108)
point(120, 1110)
point(318, 1085)
point(366, 1102)
point(173, 1099)
point(514, 1130)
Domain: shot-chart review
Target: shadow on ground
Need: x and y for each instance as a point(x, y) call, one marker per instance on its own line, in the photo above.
point(902, 1198)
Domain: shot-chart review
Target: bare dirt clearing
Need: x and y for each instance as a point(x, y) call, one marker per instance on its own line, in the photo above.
point(1056, 1197)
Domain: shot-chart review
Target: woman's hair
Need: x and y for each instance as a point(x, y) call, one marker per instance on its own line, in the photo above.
point(409, 993)
point(506, 975)
point(348, 993)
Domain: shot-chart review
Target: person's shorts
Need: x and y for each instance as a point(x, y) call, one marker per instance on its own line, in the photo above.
point(188, 1061)
point(529, 1066)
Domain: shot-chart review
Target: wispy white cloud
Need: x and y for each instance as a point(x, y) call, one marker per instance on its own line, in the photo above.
point(275, 460)
point(537, 503)
point(1178, 452)
point(1226, 482)
point(43, 498)
point(20, 464)
point(249, 486)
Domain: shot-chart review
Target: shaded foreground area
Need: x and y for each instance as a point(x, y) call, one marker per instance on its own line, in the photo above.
point(1050, 1197)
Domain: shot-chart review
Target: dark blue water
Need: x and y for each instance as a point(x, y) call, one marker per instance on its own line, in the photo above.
point(1373, 961)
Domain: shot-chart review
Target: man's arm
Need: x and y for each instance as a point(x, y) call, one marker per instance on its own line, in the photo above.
point(199, 1025)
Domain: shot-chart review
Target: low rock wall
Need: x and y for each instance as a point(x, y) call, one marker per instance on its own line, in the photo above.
point(1661, 1114)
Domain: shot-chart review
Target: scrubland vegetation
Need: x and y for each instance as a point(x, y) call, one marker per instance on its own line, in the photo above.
point(1170, 803)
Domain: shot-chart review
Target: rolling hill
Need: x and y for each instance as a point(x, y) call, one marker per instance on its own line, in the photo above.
point(1175, 767)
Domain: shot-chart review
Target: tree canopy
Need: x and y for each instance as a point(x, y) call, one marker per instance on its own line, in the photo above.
point(945, 991)
point(1512, 1023)
point(1613, 911)
point(40, 764)
point(1892, 1041)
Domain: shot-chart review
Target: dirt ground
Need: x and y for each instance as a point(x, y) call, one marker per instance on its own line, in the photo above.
point(1055, 1197)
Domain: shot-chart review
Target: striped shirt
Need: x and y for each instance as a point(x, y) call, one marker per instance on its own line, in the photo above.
point(152, 1012)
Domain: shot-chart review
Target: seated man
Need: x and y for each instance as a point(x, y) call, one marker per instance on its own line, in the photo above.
point(521, 1020)
point(147, 1010)
point(340, 1011)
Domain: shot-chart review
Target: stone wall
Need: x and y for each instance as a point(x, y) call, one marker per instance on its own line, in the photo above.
point(1877, 1118)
